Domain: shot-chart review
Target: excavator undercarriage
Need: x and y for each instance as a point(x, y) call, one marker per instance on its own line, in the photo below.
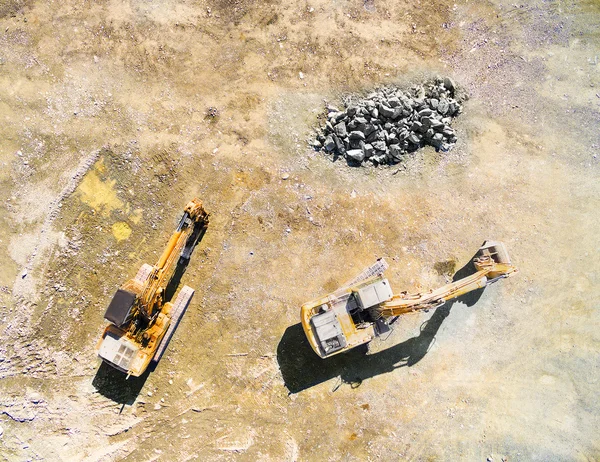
point(365, 307)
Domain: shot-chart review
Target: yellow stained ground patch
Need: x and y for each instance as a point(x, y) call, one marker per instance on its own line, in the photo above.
point(136, 216)
point(121, 230)
point(99, 194)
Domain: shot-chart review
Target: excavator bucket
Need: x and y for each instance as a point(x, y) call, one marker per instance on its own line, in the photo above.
point(496, 250)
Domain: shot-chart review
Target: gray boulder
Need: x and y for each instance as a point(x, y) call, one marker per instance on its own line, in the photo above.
point(356, 154)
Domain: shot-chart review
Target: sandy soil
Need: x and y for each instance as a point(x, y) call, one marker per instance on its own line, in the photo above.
point(106, 133)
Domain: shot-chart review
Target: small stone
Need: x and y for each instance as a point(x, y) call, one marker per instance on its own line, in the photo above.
point(24, 274)
point(317, 144)
point(414, 138)
point(285, 176)
point(416, 126)
point(369, 128)
point(443, 106)
point(395, 152)
point(379, 145)
point(356, 154)
point(373, 136)
point(448, 131)
point(386, 111)
point(393, 102)
point(437, 125)
point(351, 111)
point(449, 84)
point(149, 393)
point(437, 140)
point(340, 130)
point(329, 144)
point(425, 112)
point(355, 144)
point(339, 146)
point(356, 135)
point(368, 150)
point(301, 75)
point(1, 431)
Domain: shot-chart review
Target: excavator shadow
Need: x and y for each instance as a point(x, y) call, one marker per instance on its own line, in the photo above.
point(113, 385)
point(301, 368)
point(182, 265)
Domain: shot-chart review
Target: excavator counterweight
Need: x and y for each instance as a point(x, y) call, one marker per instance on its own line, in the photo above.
point(141, 320)
point(362, 309)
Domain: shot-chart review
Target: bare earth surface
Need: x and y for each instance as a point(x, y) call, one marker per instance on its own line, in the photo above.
point(104, 136)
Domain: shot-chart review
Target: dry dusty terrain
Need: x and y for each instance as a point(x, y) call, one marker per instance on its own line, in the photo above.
point(105, 135)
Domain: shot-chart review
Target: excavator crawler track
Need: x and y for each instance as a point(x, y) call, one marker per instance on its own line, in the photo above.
point(179, 308)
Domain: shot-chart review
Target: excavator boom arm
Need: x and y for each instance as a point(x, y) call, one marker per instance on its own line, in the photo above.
point(193, 220)
point(490, 266)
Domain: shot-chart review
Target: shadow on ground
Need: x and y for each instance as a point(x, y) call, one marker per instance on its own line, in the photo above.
point(113, 385)
point(301, 368)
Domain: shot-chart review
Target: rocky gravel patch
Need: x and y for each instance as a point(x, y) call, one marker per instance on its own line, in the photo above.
point(390, 122)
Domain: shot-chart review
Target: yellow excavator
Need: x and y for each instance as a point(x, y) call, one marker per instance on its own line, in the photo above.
point(366, 306)
point(142, 322)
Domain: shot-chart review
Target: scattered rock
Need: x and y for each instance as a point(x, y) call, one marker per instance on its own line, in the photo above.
point(356, 154)
point(390, 122)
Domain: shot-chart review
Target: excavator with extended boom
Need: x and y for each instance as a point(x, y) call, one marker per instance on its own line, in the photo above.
point(142, 322)
point(366, 306)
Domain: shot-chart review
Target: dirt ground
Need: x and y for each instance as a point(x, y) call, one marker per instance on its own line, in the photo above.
point(106, 132)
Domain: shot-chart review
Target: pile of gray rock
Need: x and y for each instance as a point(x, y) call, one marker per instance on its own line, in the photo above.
point(389, 123)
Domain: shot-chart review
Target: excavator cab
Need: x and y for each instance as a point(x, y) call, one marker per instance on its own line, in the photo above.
point(120, 309)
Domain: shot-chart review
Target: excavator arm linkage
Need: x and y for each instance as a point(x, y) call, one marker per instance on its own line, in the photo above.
point(491, 262)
